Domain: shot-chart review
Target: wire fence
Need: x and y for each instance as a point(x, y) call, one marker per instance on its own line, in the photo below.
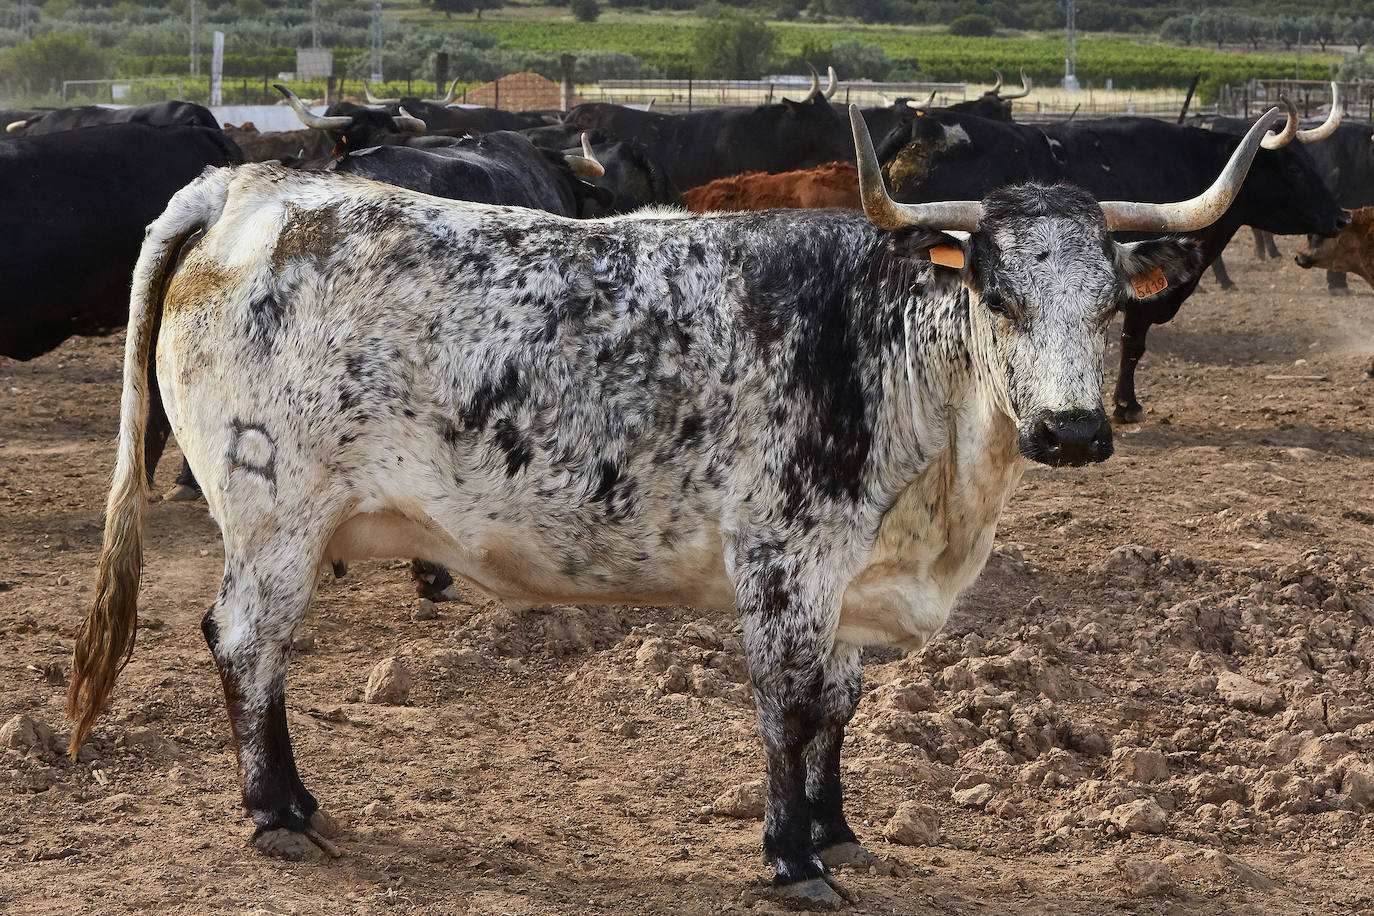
point(1312, 98)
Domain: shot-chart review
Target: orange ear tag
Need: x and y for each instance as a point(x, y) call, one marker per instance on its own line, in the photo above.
point(1150, 282)
point(947, 256)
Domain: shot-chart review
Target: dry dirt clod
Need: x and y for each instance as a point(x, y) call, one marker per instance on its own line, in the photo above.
point(743, 801)
point(1242, 693)
point(23, 733)
point(388, 683)
point(424, 610)
point(1139, 764)
point(1140, 816)
point(975, 797)
point(1144, 878)
point(914, 824)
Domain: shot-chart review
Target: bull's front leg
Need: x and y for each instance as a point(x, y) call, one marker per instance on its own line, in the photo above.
point(787, 643)
point(1134, 327)
point(831, 835)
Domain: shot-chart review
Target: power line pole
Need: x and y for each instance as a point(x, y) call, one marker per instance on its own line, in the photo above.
point(24, 12)
point(1070, 8)
point(314, 23)
point(376, 41)
point(195, 39)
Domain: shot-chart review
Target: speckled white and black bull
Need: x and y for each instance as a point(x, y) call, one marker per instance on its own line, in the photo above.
point(813, 417)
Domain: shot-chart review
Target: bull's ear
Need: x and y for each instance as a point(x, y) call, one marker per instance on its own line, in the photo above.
point(939, 248)
point(793, 108)
point(1149, 268)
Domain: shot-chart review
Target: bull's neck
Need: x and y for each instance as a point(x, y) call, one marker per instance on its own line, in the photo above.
point(944, 389)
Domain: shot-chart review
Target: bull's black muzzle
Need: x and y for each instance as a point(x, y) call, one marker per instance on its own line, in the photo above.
point(1068, 437)
point(1303, 259)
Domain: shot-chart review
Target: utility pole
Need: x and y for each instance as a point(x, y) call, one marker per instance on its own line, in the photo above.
point(1070, 8)
point(314, 23)
point(24, 12)
point(376, 41)
point(195, 39)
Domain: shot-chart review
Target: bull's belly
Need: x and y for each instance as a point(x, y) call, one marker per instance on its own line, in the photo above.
point(523, 569)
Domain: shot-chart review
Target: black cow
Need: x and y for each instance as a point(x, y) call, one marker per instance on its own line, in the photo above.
point(947, 154)
point(158, 114)
point(500, 167)
point(700, 146)
point(77, 205)
point(13, 120)
point(634, 179)
point(993, 104)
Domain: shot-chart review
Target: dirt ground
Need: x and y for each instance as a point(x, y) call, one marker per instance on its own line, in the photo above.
point(1157, 700)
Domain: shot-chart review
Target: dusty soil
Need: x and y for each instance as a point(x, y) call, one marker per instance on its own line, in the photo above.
point(1157, 699)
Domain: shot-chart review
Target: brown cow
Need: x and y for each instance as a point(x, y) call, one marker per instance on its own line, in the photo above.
point(835, 184)
point(1349, 251)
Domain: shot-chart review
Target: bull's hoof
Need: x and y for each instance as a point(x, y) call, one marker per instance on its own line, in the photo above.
point(426, 590)
point(312, 845)
point(1128, 415)
point(289, 845)
point(852, 854)
point(1229, 287)
point(181, 494)
point(815, 894)
point(1338, 290)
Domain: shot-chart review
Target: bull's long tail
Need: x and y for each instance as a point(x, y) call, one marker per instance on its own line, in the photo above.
point(106, 639)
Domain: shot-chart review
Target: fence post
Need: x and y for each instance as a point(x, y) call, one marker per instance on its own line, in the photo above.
point(566, 63)
point(689, 88)
point(440, 74)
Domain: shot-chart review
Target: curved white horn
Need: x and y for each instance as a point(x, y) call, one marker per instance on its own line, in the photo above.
point(1290, 128)
point(15, 127)
point(586, 164)
point(1333, 120)
point(886, 213)
point(1025, 88)
point(929, 103)
point(308, 118)
point(450, 95)
point(815, 83)
point(1201, 211)
point(649, 105)
point(408, 122)
point(887, 103)
point(833, 85)
point(372, 99)
point(997, 88)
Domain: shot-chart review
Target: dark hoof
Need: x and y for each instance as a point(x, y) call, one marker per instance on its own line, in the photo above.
point(1128, 415)
point(181, 494)
point(815, 894)
point(340, 569)
point(1338, 290)
point(852, 854)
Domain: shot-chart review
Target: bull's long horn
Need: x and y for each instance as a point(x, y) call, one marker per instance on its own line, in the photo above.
point(815, 84)
point(1333, 120)
point(372, 99)
point(451, 94)
point(997, 89)
point(1201, 211)
point(586, 164)
point(833, 86)
point(15, 127)
point(308, 118)
point(929, 103)
point(886, 213)
point(1290, 129)
point(1025, 88)
point(649, 105)
point(408, 122)
point(887, 103)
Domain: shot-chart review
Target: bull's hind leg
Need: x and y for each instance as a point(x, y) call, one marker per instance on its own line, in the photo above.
point(831, 835)
point(265, 593)
point(787, 649)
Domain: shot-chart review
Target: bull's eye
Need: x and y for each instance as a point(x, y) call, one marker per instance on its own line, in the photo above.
point(997, 303)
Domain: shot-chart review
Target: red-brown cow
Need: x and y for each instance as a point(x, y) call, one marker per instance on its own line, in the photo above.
point(835, 184)
point(1349, 251)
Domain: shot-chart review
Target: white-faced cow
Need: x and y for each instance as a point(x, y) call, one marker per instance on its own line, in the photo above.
point(796, 414)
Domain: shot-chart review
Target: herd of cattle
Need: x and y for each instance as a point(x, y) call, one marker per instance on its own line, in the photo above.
point(814, 416)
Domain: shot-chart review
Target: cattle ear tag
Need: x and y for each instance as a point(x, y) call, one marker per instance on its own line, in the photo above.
point(1150, 282)
point(947, 256)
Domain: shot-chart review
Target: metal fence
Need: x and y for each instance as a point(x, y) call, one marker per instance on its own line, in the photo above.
point(684, 95)
point(1312, 98)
